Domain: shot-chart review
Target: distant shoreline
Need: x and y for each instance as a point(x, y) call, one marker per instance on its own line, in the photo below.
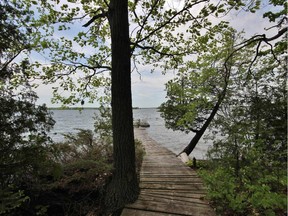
point(91, 108)
point(72, 108)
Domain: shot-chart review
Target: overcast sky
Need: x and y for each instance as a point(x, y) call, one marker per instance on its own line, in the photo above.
point(148, 90)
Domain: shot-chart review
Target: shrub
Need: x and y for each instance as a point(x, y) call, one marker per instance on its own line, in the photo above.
point(256, 188)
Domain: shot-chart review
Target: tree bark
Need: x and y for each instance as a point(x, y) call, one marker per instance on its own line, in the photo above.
point(124, 187)
point(190, 147)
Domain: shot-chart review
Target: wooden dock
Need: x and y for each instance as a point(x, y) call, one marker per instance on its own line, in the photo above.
point(168, 187)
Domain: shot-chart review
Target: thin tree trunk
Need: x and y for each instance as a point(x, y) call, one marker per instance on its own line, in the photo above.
point(124, 186)
point(228, 65)
point(190, 147)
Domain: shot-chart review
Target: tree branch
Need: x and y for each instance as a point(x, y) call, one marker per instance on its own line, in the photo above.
point(77, 65)
point(97, 16)
point(97, 66)
point(136, 68)
point(169, 20)
point(139, 32)
point(285, 18)
point(155, 50)
point(257, 53)
point(280, 33)
point(11, 59)
point(107, 4)
point(259, 39)
point(193, 130)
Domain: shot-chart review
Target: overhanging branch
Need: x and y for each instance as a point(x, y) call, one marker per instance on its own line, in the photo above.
point(103, 14)
point(259, 39)
point(168, 21)
point(97, 66)
point(5, 65)
point(156, 51)
point(139, 32)
point(97, 69)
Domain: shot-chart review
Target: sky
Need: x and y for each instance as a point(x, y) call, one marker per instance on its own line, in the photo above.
point(148, 89)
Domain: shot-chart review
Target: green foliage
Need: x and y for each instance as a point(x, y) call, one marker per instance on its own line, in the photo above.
point(189, 163)
point(75, 184)
point(274, 15)
point(24, 128)
point(207, 84)
point(11, 199)
point(247, 174)
point(23, 146)
point(23, 124)
point(232, 195)
point(139, 153)
point(161, 36)
point(41, 210)
point(201, 83)
point(86, 165)
point(222, 191)
point(103, 121)
point(81, 146)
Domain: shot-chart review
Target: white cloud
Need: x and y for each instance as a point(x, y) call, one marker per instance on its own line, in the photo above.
point(251, 23)
point(149, 91)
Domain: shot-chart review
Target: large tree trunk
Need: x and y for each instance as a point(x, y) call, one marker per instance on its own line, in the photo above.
point(124, 186)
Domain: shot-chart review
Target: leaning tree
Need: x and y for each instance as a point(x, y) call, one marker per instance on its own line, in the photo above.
point(196, 94)
point(199, 89)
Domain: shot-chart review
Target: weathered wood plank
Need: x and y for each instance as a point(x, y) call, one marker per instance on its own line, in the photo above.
point(175, 195)
point(168, 198)
point(171, 208)
point(136, 212)
point(168, 187)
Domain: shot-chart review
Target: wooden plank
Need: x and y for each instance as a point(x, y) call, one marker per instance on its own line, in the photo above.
point(187, 187)
point(174, 198)
point(168, 187)
point(175, 191)
point(175, 195)
point(171, 208)
point(135, 212)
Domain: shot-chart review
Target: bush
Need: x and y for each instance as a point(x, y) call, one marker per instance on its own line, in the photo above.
point(256, 188)
point(86, 168)
point(140, 152)
point(11, 200)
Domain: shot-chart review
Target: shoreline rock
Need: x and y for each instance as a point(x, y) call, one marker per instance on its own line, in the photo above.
point(141, 123)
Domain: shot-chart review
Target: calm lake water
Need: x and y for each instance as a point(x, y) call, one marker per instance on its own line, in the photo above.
point(69, 120)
